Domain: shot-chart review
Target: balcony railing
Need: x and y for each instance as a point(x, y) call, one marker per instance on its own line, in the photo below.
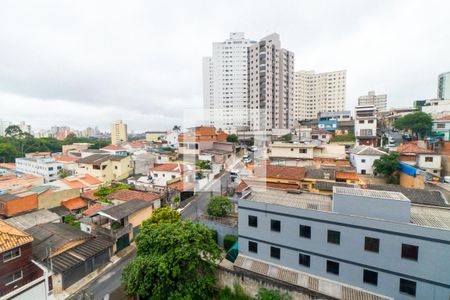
point(113, 233)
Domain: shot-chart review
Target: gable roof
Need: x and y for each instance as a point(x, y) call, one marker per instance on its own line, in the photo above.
point(65, 158)
point(94, 209)
point(11, 237)
point(367, 150)
point(31, 219)
point(128, 195)
point(123, 210)
point(81, 181)
point(94, 159)
point(182, 186)
point(74, 203)
point(346, 175)
point(280, 172)
point(169, 167)
point(113, 147)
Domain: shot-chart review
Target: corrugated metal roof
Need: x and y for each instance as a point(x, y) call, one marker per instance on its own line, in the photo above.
point(370, 193)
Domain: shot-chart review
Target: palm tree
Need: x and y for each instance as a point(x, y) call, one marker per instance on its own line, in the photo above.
point(176, 128)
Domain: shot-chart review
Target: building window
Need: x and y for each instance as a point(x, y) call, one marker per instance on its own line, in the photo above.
point(10, 255)
point(363, 160)
point(275, 252)
point(305, 231)
point(252, 247)
point(115, 167)
point(361, 122)
point(410, 252)
point(302, 150)
point(370, 121)
point(363, 172)
point(408, 287)
point(332, 267)
point(275, 225)
point(370, 277)
point(372, 244)
point(428, 159)
point(304, 260)
point(252, 221)
point(334, 237)
point(14, 277)
point(440, 125)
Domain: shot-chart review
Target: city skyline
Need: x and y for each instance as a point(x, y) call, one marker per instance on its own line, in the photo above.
point(99, 69)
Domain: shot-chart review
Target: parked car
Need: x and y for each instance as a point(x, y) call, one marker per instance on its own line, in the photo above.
point(253, 148)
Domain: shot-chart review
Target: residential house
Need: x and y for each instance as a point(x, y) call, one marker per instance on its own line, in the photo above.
point(196, 139)
point(171, 138)
point(74, 147)
point(69, 253)
point(182, 189)
point(441, 127)
point(122, 196)
point(83, 182)
point(363, 157)
point(120, 223)
point(20, 277)
point(105, 167)
point(366, 125)
point(279, 151)
point(421, 158)
point(74, 205)
point(142, 161)
point(366, 243)
point(14, 204)
point(69, 163)
point(115, 150)
point(33, 218)
point(14, 182)
point(345, 127)
point(165, 173)
point(321, 135)
point(320, 154)
point(135, 146)
point(154, 136)
point(218, 154)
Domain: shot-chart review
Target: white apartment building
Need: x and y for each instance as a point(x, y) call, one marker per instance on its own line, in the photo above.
point(379, 101)
point(24, 127)
point(357, 240)
point(444, 86)
point(271, 85)
point(225, 85)
point(43, 166)
point(118, 133)
point(316, 93)
point(366, 125)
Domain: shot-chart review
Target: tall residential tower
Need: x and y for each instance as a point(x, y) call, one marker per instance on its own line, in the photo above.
point(380, 101)
point(444, 86)
point(225, 94)
point(270, 85)
point(316, 93)
point(118, 133)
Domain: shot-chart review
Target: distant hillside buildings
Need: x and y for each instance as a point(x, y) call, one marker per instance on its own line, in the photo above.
point(379, 101)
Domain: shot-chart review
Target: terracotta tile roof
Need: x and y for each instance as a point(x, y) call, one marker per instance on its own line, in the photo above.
point(113, 147)
point(280, 172)
point(346, 175)
point(81, 181)
point(89, 195)
point(93, 209)
point(180, 168)
point(412, 148)
point(65, 158)
point(75, 203)
point(444, 118)
point(127, 195)
point(242, 186)
point(9, 166)
point(182, 186)
point(11, 237)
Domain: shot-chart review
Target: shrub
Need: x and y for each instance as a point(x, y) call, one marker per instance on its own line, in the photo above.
point(228, 241)
point(215, 235)
point(264, 294)
point(219, 206)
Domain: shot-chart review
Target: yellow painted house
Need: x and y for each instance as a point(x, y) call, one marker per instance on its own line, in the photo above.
point(105, 167)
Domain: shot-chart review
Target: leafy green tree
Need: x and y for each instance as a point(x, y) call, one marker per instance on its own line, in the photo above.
point(237, 293)
point(176, 128)
point(7, 153)
point(419, 123)
point(13, 131)
point(219, 206)
point(174, 261)
point(388, 166)
point(63, 173)
point(232, 138)
point(163, 215)
point(264, 294)
point(203, 164)
point(287, 137)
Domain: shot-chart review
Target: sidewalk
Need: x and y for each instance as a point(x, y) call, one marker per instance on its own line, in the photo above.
point(78, 286)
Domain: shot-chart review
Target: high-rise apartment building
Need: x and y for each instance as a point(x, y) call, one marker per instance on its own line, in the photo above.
point(3, 126)
point(318, 92)
point(444, 86)
point(225, 76)
point(270, 85)
point(118, 133)
point(379, 101)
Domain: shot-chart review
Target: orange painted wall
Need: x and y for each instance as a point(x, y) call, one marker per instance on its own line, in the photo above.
point(20, 205)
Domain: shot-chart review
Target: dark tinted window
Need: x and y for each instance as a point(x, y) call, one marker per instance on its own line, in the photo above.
point(372, 244)
point(305, 231)
point(275, 252)
point(332, 267)
point(334, 237)
point(252, 221)
point(410, 251)
point(407, 287)
point(370, 277)
point(304, 259)
point(252, 247)
point(275, 225)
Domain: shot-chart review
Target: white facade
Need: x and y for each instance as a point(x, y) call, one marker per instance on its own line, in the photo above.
point(344, 115)
point(379, 101)
point(437, 107)
point(318, 92)
point(363, 157)
point(430, 162)
point(444, 86)
point(46, 167)
point(365, 123)
point(377, 241)
point(271, 85)
point(225, 94)
point(119, 133)
point(24, 127)
point(3, 126)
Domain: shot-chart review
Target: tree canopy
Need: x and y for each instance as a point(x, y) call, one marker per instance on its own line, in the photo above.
point(163, 215)
point(232, 138)
point(287, 137)
point(419, 123)
point(219, 206)
point(175, 260)
point(388, 165)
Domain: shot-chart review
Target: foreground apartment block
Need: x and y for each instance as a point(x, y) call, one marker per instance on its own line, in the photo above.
point(316, 93)
point(361, 239)
point(225, 76)
point(270, 85)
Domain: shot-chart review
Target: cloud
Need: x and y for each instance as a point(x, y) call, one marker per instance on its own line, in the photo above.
point(141, 61)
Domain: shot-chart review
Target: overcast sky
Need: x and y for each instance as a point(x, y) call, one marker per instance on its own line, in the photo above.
point(86, 63)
